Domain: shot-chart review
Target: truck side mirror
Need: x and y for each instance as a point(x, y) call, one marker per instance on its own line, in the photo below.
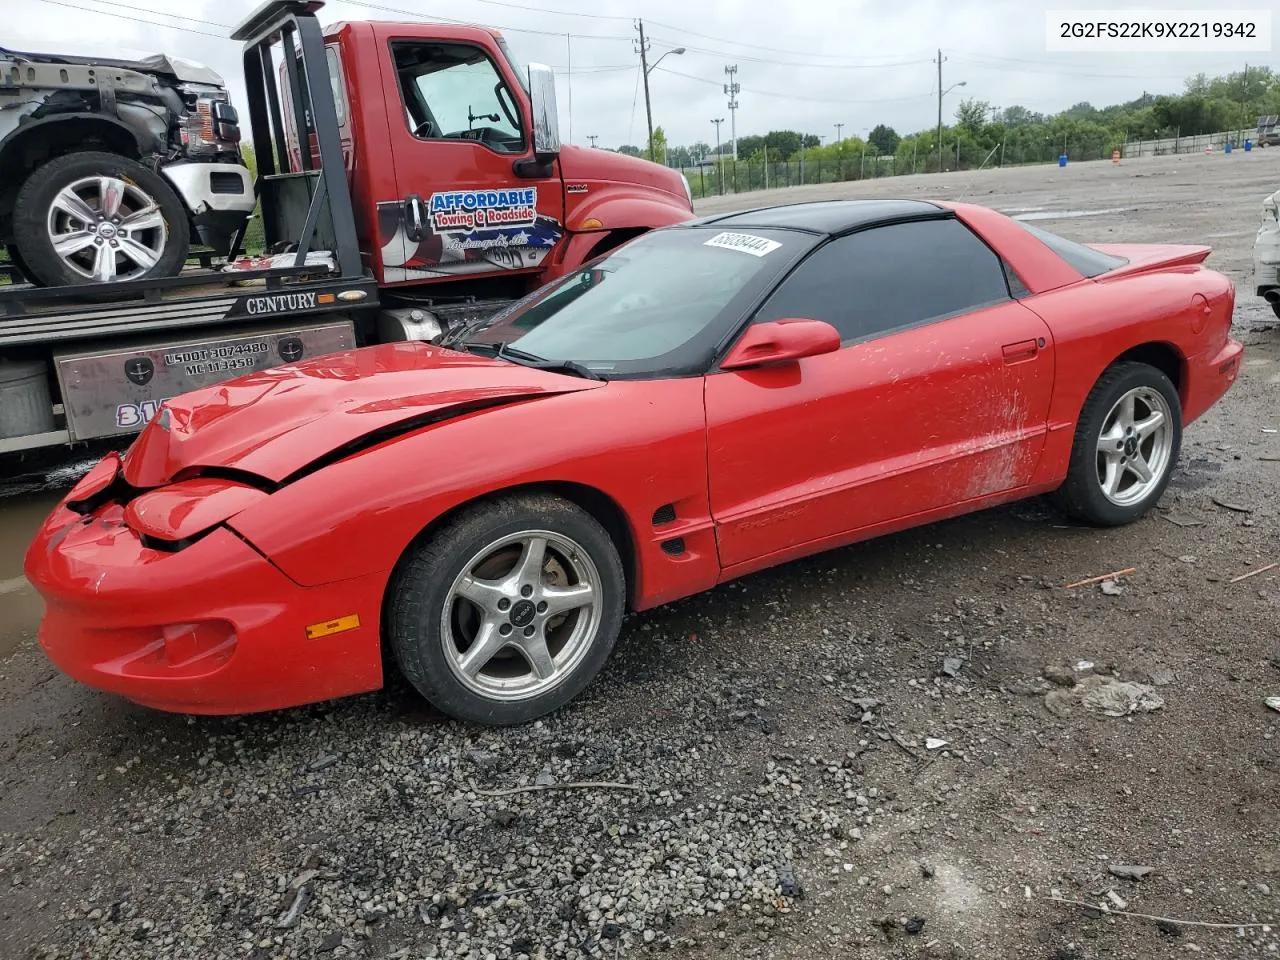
point(546, 118)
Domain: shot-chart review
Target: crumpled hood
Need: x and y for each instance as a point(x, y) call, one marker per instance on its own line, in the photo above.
point(188, 71)
point(277, 422)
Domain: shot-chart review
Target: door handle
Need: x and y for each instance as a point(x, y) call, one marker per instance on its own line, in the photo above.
point(1022, 350)
point(414, 220)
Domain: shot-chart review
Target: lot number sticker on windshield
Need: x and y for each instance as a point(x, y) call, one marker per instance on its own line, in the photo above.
point(745, 243)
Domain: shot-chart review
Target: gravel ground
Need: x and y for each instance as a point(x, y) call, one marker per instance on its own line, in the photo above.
point(886, 751)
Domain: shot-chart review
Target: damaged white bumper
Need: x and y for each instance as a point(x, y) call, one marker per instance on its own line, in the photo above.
point(1266, 249)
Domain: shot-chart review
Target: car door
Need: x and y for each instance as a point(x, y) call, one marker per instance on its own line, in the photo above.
point(462, 208)
point(938, 396)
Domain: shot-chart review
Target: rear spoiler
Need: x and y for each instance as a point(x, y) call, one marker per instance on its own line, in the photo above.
point(1151, 258)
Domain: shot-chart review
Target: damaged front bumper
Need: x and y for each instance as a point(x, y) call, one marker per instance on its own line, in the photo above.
point(212, 627)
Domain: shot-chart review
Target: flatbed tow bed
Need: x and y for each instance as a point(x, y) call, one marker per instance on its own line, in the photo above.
point(223, 321)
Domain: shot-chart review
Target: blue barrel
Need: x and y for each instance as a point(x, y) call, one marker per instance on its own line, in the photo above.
point(1227, 148)
point(1248, 145)
point(1062, 160)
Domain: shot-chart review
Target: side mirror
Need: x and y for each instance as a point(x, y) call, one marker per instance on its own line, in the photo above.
point(546, 118)
point(780, 341)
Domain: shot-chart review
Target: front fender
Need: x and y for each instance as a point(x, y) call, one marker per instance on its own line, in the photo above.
point(610, 212)
point(641, 444)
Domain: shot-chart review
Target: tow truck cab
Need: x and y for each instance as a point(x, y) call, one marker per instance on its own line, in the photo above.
point(455, 166)
point(426, 188)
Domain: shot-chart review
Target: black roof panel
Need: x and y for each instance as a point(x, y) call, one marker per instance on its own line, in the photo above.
point(828, 216)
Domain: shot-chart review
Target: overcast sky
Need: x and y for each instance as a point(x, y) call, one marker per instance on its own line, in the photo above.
point(802, 65)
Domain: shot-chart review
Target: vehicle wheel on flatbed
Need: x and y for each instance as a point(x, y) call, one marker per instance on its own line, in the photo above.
point(99, 217)
point(1126, 445)
point(508, 611)
point(1275, 308)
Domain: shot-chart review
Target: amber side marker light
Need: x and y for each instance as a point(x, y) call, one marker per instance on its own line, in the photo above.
point(326, 298)
point(327, 629)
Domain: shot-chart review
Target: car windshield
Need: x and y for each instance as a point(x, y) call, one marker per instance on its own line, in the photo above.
point(659, 305)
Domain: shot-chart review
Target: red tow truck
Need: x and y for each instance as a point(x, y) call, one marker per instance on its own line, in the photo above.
point(426, 188)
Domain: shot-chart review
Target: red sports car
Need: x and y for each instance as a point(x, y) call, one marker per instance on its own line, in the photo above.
point(706, 401)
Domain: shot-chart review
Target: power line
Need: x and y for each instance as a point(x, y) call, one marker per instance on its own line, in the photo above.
point(162, 13)
point(750, 46)
point(559, 13)
point(794, 63)
point(472, 23)
point(149, 23)
point(792, 96)
point(983, 65)
point(619, 18)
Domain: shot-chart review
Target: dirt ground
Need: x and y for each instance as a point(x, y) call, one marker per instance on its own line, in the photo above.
point(122, 830)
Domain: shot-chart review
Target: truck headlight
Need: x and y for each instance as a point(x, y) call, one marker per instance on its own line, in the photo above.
point(210, 127)
point(688, 190)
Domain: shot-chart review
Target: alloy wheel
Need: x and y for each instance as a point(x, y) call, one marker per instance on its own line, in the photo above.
point(106, 228)
point(521, 615)
point(1135, 446)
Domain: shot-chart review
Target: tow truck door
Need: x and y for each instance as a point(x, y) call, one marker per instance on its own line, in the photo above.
point(463, 128)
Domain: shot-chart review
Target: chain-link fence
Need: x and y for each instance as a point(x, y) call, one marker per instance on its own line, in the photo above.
point(727, 176)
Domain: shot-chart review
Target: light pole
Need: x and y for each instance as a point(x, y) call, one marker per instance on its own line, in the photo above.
point(942, 93)
point(647, 69)
point(719, 159)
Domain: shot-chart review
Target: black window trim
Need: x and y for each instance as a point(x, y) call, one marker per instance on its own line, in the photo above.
point(940, 215)
point(502, 77)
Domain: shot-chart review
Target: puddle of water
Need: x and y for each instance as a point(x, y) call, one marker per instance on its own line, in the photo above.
point(1069, 214)
point(24, 503)
point(20, 516)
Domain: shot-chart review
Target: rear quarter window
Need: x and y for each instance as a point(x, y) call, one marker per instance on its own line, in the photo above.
point(887, 278)
point(1084, 260)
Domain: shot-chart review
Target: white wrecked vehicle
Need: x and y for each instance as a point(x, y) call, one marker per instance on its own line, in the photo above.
point(109, 167)
point(1266, 254)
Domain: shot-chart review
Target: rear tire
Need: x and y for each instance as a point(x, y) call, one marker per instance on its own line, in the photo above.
point(508, 611)
point(98, 218)
point(1126, 446)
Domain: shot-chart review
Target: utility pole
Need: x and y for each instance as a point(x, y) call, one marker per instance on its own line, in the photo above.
point(644, 68)
point(731, 90)
point(719, 159)
point(593, 138)
point(940, 58)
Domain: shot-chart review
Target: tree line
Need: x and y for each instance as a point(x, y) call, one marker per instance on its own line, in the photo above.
point(1206, 105)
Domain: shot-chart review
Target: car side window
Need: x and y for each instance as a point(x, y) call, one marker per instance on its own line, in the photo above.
point(887, 278)
point(453, 91)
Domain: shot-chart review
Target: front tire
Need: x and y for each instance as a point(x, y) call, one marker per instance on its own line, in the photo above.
point(509, 611)
point(97, 217)
point(1126, 445)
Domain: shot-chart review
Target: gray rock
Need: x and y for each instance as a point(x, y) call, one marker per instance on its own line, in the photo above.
point(1128, 871)
point(322, 763)
point(1059, 675)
